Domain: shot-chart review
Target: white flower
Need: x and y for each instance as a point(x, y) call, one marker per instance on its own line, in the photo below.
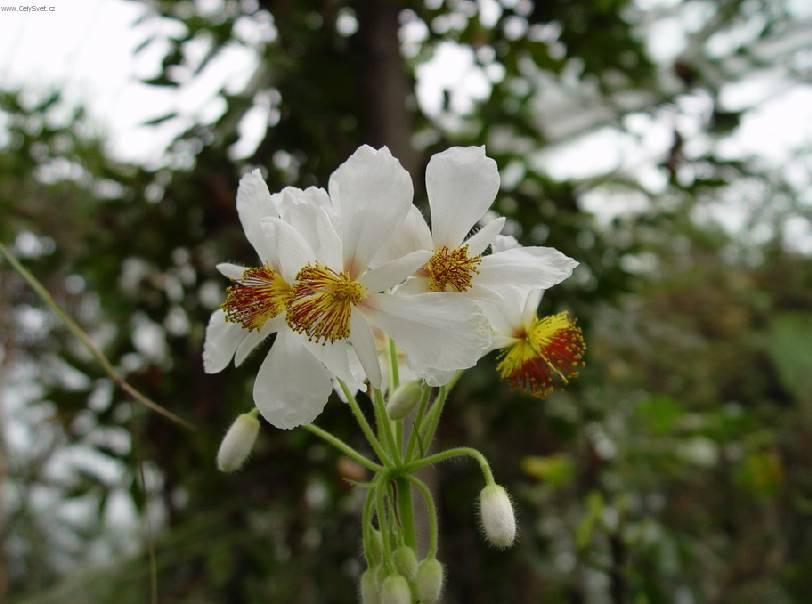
point(536, 352)
point(462, 183)
point(337, 297)
point(292, 385)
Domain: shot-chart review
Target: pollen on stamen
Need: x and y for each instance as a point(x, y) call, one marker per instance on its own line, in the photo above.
point(551, 351)
point(321, 303)
point(260, 294)
point(452, 270)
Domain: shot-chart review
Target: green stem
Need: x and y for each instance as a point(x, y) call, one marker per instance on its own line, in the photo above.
point(431, 511)
point(366, 524)
point(85, 339)
point(394, 378)
point(343, 447)
point(410, 468)
point(406, 511)
point(433, 419)
point(383, 522)
point(418, 422)
point(365, 427)
point(384, 426)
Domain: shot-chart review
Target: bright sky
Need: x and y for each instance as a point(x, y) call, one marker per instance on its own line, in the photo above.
point(85, 48)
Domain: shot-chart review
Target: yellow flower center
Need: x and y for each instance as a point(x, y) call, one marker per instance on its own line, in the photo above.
point(260, 294)
point(553, 346)
point(321, 303)
point(451, 270)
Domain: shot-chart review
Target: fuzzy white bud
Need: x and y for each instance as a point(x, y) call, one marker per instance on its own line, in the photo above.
point(403, 400)
point(405, 561)
point(496, 513)
point(395, 590)
point(238, 442)
point(429, 582)
point(370, 594)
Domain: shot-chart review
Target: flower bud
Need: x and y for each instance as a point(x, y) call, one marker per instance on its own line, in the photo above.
point(238, 442)
point(403, 400)
point(380, 576)
point(496, 513)
point(405, 561)
point(395, 590)
point(369, 588)
point(430, 578)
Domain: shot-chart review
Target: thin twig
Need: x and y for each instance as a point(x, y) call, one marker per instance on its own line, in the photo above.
point(85, 339)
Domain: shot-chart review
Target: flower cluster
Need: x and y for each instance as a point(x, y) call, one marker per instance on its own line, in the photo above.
point(362, 294)
point(340, 272)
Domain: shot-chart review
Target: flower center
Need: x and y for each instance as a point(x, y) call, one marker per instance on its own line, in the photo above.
point(553, 346)
point(451, 270)
point(260, 294)
point(321, 303)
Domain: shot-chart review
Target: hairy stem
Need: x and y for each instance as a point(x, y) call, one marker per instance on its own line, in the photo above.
point(343, 447)
point(365, 427)
point(406, 511)
point(449, 454)
point(431, 511)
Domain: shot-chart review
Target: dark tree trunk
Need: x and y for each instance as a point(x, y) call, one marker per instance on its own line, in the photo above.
point(384, 83)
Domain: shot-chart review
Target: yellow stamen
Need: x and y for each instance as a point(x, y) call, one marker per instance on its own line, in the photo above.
point(553, 347)
point(451, 270)
point(260, 294)
point(321, 303)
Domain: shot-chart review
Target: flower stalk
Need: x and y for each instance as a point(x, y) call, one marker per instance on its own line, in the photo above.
point(389, 533)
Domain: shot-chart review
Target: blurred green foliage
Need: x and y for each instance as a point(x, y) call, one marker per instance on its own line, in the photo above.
point(675, 469)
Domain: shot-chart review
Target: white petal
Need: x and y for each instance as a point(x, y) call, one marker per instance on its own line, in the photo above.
point(504, 242)
point(415, 285)
point(436, 378)
point(461, 183)
point(525, 267)
point(373, 193)
point(221, 341)
point(336, 357)
point(256, 337)
point(504, 312)
point(394, 272)
point(437, 330)
point(292, 386)
point(363, 341)
point(304, 211)
point(479, 241)
point(254, 203)
point(329, 245)
point(290, 251)
point(231, 271)
point(531, 306)
point(411, 235)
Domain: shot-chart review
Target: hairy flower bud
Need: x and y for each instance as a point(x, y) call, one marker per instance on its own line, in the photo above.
point(429, 581)
point(405, 561)
point(370, 594)
point(403, 400)
point(238, 442)
point(395, 590)
point(496, 513)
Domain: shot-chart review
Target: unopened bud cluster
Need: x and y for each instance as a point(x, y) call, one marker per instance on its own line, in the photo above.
point(421, 583)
